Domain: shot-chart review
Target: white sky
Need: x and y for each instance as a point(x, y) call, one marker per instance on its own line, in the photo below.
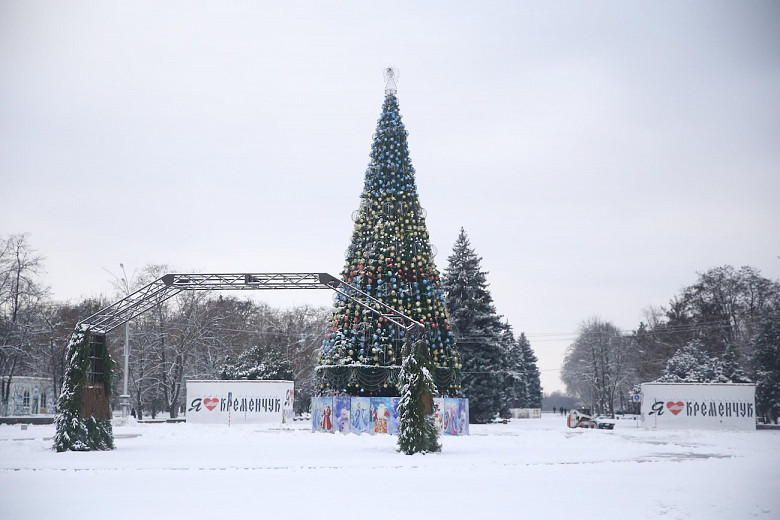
point(598, 154)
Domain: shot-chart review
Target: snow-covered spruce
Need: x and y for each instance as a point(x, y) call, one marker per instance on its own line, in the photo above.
point(691, 364)
point(417, 432)
point(77, 431)
point(256, 363)
point(499, 372)
point(522, 387)
point(767, 357)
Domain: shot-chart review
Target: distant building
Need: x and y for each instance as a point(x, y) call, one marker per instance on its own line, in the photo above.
point(526, 413)
point(29, 396)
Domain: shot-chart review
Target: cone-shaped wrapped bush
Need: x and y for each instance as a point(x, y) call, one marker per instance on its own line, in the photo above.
point(417, 432)
point(83, 412)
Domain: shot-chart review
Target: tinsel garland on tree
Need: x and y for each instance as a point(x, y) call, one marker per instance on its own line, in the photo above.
point(389, 258)
point(83, 420)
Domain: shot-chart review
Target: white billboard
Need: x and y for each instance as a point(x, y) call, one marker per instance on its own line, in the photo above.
point(728, 406)
point(224, 402)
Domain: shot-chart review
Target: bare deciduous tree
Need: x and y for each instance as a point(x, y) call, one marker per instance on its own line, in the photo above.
point(599, 366)
point(21, 300)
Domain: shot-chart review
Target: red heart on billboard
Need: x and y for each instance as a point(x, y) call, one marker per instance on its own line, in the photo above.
point(210, 402)
point(675, 408)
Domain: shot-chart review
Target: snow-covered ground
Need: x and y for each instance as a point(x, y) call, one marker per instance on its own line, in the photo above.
point(524, 469)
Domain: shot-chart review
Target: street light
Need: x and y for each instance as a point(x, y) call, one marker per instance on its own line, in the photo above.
point(125, 397)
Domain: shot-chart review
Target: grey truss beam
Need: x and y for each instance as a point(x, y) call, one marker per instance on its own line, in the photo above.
point(172, 284)
point(244, 281)
point(142, 300)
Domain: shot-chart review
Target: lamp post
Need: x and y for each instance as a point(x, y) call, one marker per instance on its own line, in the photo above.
point(125, 397)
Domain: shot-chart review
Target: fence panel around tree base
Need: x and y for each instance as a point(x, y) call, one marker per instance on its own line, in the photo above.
point(379, 415)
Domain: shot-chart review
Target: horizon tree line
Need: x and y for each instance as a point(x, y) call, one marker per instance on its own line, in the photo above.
point(725, 327)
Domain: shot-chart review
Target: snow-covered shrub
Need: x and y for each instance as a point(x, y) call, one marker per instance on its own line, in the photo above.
point(83, 415)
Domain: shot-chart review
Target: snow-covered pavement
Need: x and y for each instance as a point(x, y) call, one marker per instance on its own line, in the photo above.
point(527, 468)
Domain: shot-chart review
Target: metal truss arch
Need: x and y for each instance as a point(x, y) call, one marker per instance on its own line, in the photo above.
point(169, 285)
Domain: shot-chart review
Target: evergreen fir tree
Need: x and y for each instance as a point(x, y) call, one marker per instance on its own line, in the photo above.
point(389, 258)
point(417, 432)
point(767, 361)
point(515, 388)
point(83, 420)
point(730, 371)
point(480, 330)
point(257, 363)
point(533, 381)
point(691, 364)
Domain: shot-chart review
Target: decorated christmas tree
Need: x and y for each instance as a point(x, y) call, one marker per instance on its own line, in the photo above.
point(389, 258)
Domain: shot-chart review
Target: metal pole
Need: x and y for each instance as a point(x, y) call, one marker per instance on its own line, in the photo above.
point(125, 397)
point(127, 366)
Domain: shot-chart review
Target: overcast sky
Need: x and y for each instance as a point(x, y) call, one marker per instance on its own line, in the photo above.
point(598, 154)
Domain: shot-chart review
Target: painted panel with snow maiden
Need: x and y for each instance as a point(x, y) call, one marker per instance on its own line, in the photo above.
point(392, 427)
point(361, 414)
point(322, 414)
point(342, 409)
point(456, 416)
